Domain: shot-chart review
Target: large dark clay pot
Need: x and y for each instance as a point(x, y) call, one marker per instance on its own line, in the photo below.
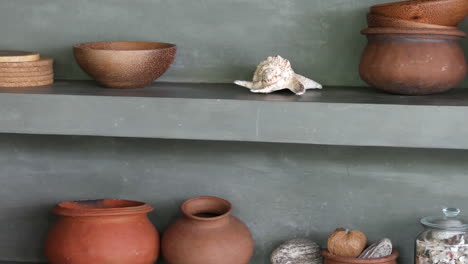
point(413, 61)
point(207, 234)
point(102, 231)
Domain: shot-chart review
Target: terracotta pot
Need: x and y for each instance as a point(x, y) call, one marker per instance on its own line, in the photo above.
point(381, 21)
point(329, 258)
point(439, 12)
point(207, 234)
point(413, 61)
point(102, 231)
point(125, 64)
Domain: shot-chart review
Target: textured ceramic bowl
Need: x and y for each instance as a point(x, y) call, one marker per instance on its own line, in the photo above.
point(329, 258)
point(438, 12)
point(125, 64)
point(413, 61)
point(381, 21)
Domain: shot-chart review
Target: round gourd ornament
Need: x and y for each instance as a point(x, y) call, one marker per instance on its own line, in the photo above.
point(346, 243)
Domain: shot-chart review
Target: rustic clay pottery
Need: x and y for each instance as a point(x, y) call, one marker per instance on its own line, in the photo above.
point(207, 234)
point(102, 231)
point(439, 12)
point(125, 64)
point(413, 61)
point(333, 259)
point(381, 21)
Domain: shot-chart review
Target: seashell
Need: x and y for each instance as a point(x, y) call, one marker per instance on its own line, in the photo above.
point(297, 251)
point(274, 74)
point(380, 249)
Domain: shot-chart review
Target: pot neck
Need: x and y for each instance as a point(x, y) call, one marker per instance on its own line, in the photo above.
point(207, 210)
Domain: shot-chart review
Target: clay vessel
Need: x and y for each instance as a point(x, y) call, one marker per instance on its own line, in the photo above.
point(381, 21)
point(439, 12)
point(329, 258)
point(207, 234)
point(125, 64)
point(102, 231)
point(413, 61)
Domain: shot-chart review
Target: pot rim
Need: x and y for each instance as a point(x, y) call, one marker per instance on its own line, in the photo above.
point(412, 3)
point(328, 255)
point(225, 206)
point(412, 24)
point(101, 207)
point(88, 46)
point(413, 31)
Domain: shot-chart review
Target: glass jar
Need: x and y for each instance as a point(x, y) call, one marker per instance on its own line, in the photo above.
point(443, 240)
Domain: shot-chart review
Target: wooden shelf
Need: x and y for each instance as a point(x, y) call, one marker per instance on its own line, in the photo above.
point(352, 116)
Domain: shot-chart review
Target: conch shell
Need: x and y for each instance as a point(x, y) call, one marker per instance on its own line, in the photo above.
point(275, 73)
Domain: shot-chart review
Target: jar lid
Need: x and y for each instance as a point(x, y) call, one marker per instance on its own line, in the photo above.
point(450, 220)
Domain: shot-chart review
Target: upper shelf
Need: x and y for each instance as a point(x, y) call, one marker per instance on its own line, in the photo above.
point(332, 116)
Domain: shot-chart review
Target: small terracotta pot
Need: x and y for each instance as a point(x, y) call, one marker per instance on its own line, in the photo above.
point(439, 12)
point(102, 231)
point(382, 21)
point(413, 61)
point(207, 234)
point(125, 64)
point(329, 258)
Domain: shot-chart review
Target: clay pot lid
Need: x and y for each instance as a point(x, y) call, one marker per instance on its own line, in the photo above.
point(339, 259)
point(117, 46)
point(102, 207)
point(206, 208)
point(413, 31)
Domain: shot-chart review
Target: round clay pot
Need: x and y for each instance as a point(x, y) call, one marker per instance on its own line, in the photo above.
point(382, 21)
point(125, 64)
point(329, 258)
point(207, 234)
point(102, 231)
point(439, 12)
point(413, 61)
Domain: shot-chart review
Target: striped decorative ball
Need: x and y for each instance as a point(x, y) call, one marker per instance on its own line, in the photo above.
point(297, 251)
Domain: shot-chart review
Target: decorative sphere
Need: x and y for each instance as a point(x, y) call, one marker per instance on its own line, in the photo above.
point(297, 251)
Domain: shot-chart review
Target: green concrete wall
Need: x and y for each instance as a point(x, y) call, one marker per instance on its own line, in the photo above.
point(219, 40)
point(279, 190)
